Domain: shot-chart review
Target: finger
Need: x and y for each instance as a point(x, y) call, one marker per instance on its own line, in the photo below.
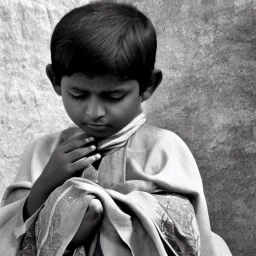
point(95, 209)
point(75, 137)
point(66, 139)
point(79, 153)
point(77, 142)
point(83, 163)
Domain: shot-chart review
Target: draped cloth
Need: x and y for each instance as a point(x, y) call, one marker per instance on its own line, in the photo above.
point(138, 223)
point(150, 189)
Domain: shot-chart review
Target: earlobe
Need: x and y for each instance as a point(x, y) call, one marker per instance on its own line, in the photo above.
point(52, 78)
point(154, 82)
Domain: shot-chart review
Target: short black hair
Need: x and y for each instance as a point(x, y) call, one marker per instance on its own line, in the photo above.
point(104, 38)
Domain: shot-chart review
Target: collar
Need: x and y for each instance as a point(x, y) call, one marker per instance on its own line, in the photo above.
point(119, 139)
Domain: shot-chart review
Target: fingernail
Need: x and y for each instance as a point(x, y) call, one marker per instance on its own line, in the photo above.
point(97, 156)
point(93, 147)
point(90, 139)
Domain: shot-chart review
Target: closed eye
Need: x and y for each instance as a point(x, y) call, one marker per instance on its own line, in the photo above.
point(111, 97)
point(79, 96)
point(114, 97)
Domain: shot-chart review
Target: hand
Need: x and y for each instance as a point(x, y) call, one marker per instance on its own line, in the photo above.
point(89, 225)
point(69, 159)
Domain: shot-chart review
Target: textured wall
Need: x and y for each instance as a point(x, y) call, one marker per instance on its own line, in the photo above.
point(29, 106)
point(207, 51)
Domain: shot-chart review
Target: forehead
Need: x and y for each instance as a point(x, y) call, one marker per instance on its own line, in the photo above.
point(98, 83)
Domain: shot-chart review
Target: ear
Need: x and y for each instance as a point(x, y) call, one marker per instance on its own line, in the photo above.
point(52, 78)
point(155, 80)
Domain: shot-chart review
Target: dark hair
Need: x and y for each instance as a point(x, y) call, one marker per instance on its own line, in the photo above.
point(104, 38)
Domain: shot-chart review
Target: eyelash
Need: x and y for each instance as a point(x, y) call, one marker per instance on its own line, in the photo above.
point(108, 98)
point(80, 98)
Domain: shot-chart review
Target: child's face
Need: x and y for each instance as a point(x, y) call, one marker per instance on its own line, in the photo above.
point(100, 106)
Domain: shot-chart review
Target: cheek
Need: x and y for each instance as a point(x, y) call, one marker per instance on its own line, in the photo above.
point(126, 110)
point(72, 108)
point(133, 104)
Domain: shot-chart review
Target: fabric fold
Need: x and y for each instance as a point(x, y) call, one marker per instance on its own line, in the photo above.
point(125, 216)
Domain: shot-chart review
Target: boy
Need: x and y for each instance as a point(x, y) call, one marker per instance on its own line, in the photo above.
point(103, 57)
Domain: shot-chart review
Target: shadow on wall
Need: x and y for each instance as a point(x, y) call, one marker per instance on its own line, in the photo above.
point(207, 51)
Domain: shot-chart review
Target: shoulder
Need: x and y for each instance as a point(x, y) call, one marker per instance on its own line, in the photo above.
point(158, 150)
point(149, 136)
point(157, 132)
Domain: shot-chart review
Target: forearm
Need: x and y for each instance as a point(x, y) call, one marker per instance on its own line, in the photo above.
point(38, 195)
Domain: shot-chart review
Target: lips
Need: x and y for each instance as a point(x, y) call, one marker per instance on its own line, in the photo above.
point(95, 126)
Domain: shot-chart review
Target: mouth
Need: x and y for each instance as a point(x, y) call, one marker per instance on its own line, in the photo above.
point(96, 126)
point(91, 124)
point(97, 130)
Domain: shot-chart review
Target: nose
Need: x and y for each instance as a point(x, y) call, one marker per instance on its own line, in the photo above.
point(94, 109)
